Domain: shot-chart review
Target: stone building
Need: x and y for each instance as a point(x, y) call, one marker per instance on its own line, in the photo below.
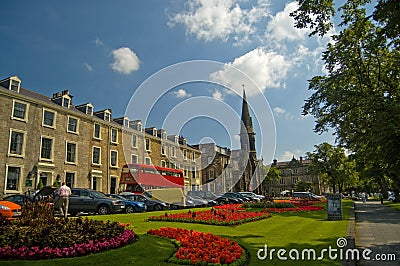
point(216, 171)
point(292, 172)
point(47, 140)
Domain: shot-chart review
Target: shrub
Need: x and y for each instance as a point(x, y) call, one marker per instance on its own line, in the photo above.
point(37, 234)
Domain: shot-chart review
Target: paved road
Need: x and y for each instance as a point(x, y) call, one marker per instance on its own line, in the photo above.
point(378, 229)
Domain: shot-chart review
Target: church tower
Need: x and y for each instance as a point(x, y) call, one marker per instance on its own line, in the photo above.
point(248, 148)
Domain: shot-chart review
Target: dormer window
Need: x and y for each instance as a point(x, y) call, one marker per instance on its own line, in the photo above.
point(14, 85)
point(66, 102)
point(137, 125)
point(107, 116)
point(89, 110)
point(86, 108)
point(126, 122)
point(11, 83)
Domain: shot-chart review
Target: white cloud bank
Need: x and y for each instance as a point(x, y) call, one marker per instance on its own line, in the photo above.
point(267, 69)
point(209, 20)
point(125, 61)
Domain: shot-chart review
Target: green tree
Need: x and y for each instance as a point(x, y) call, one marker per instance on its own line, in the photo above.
point(271, 174)
point(303, 185)
point(333, 165)
point(359, 97)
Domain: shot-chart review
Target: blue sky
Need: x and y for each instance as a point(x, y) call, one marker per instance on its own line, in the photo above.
point(104, 51)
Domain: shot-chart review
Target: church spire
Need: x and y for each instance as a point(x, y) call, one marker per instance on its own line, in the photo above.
point(247, 140)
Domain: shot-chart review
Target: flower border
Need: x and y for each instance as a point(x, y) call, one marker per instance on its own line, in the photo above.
point(76, 250)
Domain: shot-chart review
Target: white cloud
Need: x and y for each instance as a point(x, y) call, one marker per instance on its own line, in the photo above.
point(181, 93)
point(209, 20)
point(98, 42)
point(280, 112)
point(125, 61)
point(281, 26)
point(266, 69)
point(88, 67)
point(288, 155)
point(218, 95)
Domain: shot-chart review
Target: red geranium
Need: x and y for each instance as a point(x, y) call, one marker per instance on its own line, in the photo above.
point(201, 247)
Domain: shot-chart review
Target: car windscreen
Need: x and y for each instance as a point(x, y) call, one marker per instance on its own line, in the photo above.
point(98, 194)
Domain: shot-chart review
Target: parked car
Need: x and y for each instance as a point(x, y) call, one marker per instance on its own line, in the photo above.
point(305, 195)
point(92, 201)
point(231, 198)
point(208, 195)
point(237, 195)
point(253, 196)
point(19, 199)
point(391, 196)
point(9, 209)
point(152, 205)
point(197, 202)
point(130, 205)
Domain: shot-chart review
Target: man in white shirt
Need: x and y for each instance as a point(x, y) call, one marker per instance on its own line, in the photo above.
point(64, 192)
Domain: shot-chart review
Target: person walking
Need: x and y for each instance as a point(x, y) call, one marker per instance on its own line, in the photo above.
point(64, 192)
point(381, 197)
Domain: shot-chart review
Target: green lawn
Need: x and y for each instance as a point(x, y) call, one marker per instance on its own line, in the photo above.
point(395, 205)
point(290, 230)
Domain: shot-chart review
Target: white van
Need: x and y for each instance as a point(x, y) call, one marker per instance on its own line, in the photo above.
point(173, 196)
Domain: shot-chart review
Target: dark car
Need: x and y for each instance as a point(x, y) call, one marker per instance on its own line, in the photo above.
point(92, 201)
point(208, 195)
point(45, 193)
point(199, 202)
point(233, 199)
point(240, 196)
point(19, 199)
point(130, 205)
point(152, 205)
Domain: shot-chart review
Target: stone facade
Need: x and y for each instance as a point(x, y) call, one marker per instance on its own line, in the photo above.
point(49, 140)
point(216, 172)
point(291, 172)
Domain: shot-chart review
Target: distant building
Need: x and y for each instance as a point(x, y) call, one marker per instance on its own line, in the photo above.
point(216, 175)
point(292, 172)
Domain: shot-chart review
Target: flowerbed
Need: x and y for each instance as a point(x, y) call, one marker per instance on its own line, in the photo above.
point(295, 209)
point(274, 207)
point(202, 248)
point(213, 216)
point(37, 234)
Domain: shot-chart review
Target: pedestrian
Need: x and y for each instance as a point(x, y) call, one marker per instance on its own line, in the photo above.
point(64, 192)
point(381, 197)
point(364, 197)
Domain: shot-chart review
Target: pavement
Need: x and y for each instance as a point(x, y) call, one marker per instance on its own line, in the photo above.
point(377, 228)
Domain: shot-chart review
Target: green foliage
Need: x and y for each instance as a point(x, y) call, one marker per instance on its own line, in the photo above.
point(359, 97)
point(335, 167)
point(44, 230)
point(303, 185)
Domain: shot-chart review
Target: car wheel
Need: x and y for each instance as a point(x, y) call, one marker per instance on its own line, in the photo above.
point(130, 209)
point(157, 207)
point(103, 210)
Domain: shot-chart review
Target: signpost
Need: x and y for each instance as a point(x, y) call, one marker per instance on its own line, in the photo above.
point(334, 206)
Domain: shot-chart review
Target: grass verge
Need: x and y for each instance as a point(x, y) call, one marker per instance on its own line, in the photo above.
point(395, 205)
point(302, 230)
